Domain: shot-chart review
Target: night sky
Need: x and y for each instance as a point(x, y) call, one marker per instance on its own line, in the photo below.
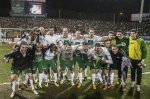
point(87, 6)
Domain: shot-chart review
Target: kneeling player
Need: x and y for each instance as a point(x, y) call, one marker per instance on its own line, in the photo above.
point(38, 64)
point(102, 58)
point(85, 60)
point(50, 59)
point(66, 61)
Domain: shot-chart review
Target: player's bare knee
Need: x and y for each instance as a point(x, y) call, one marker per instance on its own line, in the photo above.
point(13, 77)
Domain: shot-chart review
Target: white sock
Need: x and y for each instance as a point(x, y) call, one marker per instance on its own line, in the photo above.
point(55, 77)
point(63, 76)
point(80, 77)
point(34, 76)
point(104, 78)
point(31, 83)
point(40, 79)
point(66, 70)
point(93, 78)
point(138, 88)
point(99, 76)
point(111, 78)
point(26, 79)
point(50, 72)
point(85, 72)
point(19, 78)
point(72, 76)
point(13, 86)
point(132, 83)
point(45, 77)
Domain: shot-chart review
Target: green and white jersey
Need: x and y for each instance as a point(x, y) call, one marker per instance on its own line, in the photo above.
point(66, 54)
point(86, 54)
point(102, 54)
point(42, 39)
point(38, 56)
point(51, 39)
point(123, 44)
point(48, 55)
point(77, 41)
point(64, 40)
point(92, 41)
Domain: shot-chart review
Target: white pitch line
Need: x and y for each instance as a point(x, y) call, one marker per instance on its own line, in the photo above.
point(7, 83)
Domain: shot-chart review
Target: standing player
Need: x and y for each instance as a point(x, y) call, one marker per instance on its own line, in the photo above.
point(78, 38)
point(91, 39)
point(20, 63)
point(122, 42)
point(51, 37)
point(137, 54)
point(65, 38)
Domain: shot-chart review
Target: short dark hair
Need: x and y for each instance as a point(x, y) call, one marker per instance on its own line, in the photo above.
point(69, 44)
point(115, 46)
point(111, 32)
point(133, 30)
point(23, 43)
point(85, 43)
point(91, 29)
point(39, 43)
point(120, 31)
point(97, 45)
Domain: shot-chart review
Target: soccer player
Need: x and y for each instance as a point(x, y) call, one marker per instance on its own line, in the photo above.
point(66, 61)
point(118, 59)
point(137, 54)
point(38, 63)
point(41, 35)
point(91, 39)
point(122, 42)
point(20, 63)
point(111, 67)
point(77, 39)
point(110, 37)
point(102, 59)
point(50, 58)
point(65, 38)
point(51, 37)
point(84, 53)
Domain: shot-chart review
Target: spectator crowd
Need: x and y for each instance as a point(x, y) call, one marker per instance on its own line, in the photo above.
point(100, 26)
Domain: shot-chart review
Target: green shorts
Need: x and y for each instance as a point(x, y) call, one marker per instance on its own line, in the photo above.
point(66, 63)
point(77, 59)
point(16, 70)
point(38, 65)
point(87, 63)
point(101, 65)
point(50, 63)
